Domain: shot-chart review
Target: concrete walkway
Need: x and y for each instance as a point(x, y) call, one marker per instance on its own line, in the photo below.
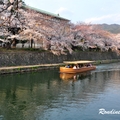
point(28, 68)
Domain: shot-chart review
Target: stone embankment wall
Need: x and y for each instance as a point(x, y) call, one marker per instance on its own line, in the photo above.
point(36, 58)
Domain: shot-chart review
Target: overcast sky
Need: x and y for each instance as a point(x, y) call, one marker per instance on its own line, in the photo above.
point(90, 11)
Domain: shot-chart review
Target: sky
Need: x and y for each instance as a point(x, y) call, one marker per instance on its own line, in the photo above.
point(86, 11)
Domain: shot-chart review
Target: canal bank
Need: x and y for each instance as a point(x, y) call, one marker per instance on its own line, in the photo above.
point(30, 68)
point(28, 58)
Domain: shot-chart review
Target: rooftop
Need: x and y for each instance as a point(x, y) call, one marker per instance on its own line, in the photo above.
point(45, 12)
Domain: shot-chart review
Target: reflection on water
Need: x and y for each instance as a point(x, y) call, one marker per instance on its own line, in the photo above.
point(74, 76)
point(46, 96)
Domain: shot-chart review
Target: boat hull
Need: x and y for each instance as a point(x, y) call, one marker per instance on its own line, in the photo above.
point(71, 70)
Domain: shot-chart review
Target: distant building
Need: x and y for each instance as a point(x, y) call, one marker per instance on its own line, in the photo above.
point(55, 19)
point(48, 15)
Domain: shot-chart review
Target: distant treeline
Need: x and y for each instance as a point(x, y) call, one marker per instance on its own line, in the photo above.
point(113, 28)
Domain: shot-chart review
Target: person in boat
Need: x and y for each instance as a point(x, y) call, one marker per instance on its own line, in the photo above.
point(89, 65)
point(74, 67)
point(70, 66)
point(77, 66)
point(67, 66)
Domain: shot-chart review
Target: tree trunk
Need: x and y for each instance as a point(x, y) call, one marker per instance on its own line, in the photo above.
point(31, 43)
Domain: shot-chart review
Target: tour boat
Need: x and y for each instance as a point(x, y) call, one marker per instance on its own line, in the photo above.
point(77, 66)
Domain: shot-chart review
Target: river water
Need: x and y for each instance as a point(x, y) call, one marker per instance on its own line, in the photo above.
point(47, 95)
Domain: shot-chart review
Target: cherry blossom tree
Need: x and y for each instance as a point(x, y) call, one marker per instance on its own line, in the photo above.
point(10, 19)
point(55, 34)
point(19, 23)
point(91, 36)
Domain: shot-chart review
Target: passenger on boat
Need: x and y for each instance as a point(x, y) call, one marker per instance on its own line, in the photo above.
point(77, 66)
point(89, 65)
point(67, 66)
point(74, 67)
point(70, 66)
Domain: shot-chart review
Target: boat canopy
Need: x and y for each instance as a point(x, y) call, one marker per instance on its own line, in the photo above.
point(78, 62)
